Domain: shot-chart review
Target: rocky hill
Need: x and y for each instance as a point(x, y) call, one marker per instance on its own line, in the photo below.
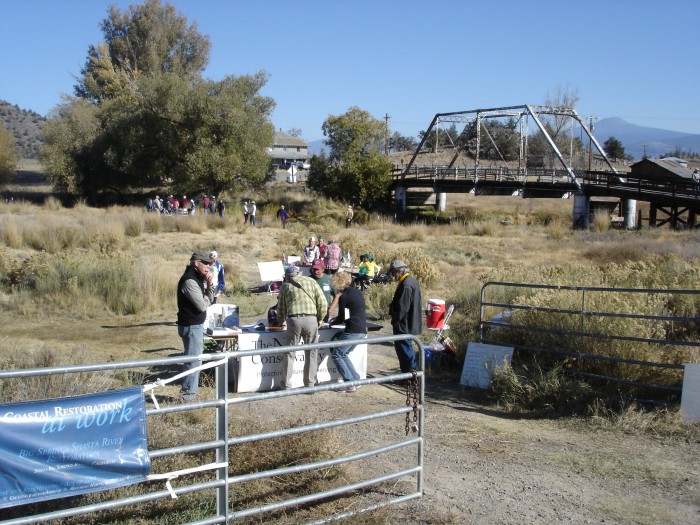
point(26, 126)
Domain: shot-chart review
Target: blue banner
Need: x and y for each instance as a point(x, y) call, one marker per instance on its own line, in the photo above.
point(64, 447)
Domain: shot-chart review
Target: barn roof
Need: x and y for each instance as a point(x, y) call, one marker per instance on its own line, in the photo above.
point(660, 168)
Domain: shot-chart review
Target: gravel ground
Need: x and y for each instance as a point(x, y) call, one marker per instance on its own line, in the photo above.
point(484, 467)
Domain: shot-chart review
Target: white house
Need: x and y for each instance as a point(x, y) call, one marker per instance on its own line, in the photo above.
point(287, 149)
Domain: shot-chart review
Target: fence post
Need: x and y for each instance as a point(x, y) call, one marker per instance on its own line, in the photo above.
point(221, 375)
point(583, 308)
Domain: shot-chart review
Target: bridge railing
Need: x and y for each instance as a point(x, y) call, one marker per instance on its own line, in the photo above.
point(676, 187)
point(485, 174)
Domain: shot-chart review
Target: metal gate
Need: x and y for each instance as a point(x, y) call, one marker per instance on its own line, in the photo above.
point(589, 314)
point(223, 404)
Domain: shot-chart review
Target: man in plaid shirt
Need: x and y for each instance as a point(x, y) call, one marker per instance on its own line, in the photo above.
point(302, 304)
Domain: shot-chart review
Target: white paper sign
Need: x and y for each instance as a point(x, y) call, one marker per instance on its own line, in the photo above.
point(481, 361)
point(262, 373)
point(271, 271)
point(690, 400)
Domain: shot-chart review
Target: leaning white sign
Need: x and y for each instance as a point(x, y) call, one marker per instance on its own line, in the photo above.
point(260, 373)
point(690, 400)
point(481, 361)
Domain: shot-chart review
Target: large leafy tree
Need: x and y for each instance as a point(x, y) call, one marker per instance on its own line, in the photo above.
point(9, 155)
point(144, 116)
point(355, 170)
point(149, 39)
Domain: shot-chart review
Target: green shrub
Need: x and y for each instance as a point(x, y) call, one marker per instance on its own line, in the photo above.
point(531, 389)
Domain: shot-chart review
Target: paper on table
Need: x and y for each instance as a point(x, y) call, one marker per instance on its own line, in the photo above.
point(222, 332)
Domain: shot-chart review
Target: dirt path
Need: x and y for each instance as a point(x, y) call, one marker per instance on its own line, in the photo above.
point(483, 467)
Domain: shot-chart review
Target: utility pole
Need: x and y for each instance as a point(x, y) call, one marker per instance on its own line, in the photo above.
point(590, 141)
point(386, 134)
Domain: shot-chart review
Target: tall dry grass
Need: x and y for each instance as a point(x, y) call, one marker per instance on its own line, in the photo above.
point(91, 262)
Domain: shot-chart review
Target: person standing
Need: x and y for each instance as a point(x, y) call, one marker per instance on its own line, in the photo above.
point(245, 212)
point(194, 295)
point(218, 282)
point(205, 204)
point(253, 210)
point(322, 247)
point(310, 253)
point(329, 292)
point(406, 313)
point(302, 304)
point(282, 216)
point(352, 311)
point(212, 205)
point(332, 258)
point(221, 207)
point(349, 214)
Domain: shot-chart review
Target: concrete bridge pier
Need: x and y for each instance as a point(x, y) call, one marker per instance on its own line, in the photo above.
point(629, 207)
point(441, 201)
point(582, 210)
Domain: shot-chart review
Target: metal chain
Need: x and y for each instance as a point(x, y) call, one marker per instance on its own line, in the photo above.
point(414, 385)
point(408, 404)
point(412, 388)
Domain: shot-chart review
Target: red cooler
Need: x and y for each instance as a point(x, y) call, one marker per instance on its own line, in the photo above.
point(435, 316)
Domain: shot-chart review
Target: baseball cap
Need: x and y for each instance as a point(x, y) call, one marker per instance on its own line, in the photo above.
point(201, 256)
point(291, 270)
point(397, 264)
point(318, 263)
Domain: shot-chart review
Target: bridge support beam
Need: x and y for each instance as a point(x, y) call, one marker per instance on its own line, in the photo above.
point(582, 210)
point(441, 201)
point(400, 195)
point(630, 213)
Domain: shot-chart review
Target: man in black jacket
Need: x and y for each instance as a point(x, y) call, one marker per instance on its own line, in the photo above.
point(194, 295)
point(406, 313)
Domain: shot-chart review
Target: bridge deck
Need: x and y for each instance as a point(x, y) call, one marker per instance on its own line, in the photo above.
point(545, 182)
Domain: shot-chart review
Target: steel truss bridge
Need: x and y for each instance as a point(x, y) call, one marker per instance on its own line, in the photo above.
point(674, 202)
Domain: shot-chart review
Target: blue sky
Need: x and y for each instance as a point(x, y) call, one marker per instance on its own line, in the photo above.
point(634, 59)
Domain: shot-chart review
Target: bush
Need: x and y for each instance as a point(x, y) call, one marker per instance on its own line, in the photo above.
point(531, 389)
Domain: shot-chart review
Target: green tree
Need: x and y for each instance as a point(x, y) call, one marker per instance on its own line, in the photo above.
point(614, 149)
point(149, 39)
point(355, 170)
point(399, 142)
point(9, 156)
point(145, 117)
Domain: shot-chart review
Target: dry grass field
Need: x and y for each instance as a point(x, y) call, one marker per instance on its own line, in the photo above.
point(98, 284)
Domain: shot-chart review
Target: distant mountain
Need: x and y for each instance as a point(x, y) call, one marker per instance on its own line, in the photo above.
point(635, 138)
point(316, 146)
point(26, 126)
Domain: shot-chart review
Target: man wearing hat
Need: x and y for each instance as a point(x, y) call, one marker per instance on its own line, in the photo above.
point(218, 282)
point(406, 313)
point(194, 295)
point(317, 274)
point(302, 304)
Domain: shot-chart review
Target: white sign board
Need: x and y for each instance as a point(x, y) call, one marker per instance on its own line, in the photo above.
point(481, 361)
point(271, 271)
point(690, 400)
point(261, 373)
